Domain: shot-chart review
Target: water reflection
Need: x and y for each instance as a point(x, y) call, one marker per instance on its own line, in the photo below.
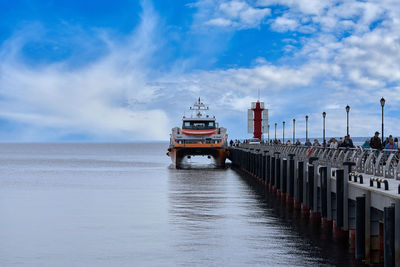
point(220, 217)
point(121, 205)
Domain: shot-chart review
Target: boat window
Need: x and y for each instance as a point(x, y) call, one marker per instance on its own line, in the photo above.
point(198, 125)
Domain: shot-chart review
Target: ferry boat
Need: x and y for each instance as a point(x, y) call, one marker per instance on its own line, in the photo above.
point(200, 135)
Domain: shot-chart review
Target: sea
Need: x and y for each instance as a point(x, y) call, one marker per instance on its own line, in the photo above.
point(124, 204)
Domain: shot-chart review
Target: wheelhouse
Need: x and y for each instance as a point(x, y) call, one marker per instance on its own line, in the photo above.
point(199, 124)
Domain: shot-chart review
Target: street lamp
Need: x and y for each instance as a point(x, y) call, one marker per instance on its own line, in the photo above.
point(283, 133)
point(347, 110)
point(268, 133)
point(382, 104)
point(306, 127)
point(323, 127)
point(275, 130)
point(294, 130)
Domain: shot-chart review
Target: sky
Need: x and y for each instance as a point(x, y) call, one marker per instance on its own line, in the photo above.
point(128, 70)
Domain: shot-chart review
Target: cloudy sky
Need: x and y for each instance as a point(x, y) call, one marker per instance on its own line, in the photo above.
point(127, 70)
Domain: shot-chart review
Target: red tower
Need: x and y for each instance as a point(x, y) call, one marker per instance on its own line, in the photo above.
point(257, 118)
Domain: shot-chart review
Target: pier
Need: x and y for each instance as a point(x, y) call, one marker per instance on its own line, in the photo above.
point(355, 193)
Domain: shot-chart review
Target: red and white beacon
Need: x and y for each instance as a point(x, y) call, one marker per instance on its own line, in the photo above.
point(257, 119)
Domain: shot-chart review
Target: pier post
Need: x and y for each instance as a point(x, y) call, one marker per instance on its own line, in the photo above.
point(329, 216)
point(290, 188)
point(254, 169)
point(375, 236)
point(305, 178)
point(389, 229)
point(295, 181)
point(284, 177)
point(397, 232)
point(264, 166)
point(300, 181)
point(313, 188)
point(272, 174)
point(242, 158)
point(368, 227)
point(352, 223)
point(253, 162)
point(339, 197)
point(259, 165)
point(360, 228)
point(324, 189)
point(346, 194)
point(247, 160)
point(268, 169)
point(277, 171)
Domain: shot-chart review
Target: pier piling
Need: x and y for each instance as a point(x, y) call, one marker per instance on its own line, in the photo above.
point(360, 228)
point(389, 256)
point(328, 184)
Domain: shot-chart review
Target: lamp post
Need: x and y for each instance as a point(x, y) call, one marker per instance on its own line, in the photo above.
point(268, 133)
point(347, 110)
point(323, 128)
point(294, 130)
point(382, 105)
point(275, 130)
point(306, 127)
point(283, 133)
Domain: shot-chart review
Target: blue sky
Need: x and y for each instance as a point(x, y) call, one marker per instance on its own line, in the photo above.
point(127, 70)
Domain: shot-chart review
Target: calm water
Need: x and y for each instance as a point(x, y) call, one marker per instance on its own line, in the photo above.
point(124, 205)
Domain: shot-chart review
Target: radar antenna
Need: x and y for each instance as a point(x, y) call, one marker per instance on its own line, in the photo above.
point(199, 108)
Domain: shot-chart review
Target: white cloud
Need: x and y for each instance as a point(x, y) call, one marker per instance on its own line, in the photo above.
point(283, 24)
point(350, 57)
point(234, 13)
point(307, 7)
point(93, 99)
point(220, 22)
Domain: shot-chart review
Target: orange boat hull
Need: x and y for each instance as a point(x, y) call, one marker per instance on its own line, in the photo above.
point(178, 153)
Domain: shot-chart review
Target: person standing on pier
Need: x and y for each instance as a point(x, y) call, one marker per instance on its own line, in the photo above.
point(391, 145)
point(396, 142)
point(316, 143)
point(347, 142)
point(386, 141)
point(333, 143)
point(308, 143)
point(340, 142)
point(375, 142)
point(366, 144)
point(298, 142)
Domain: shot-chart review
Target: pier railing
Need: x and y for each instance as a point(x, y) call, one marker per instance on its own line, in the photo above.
point(383, 163)
point(356, 189)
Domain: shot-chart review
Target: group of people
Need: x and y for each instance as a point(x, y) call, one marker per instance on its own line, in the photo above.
point(376, 143)
point(332, 143)
point(234, 143)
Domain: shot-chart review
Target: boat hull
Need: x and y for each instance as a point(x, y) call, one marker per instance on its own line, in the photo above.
point(177, 154)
